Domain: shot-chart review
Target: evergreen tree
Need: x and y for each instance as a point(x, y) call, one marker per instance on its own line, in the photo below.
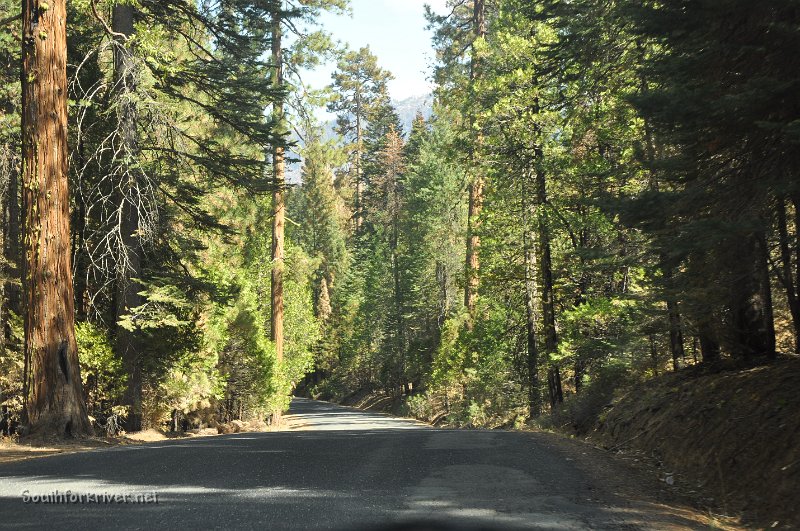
point(723, 102)
point(361, 92)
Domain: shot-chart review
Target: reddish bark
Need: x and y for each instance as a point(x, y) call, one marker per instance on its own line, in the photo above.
point(53, 391)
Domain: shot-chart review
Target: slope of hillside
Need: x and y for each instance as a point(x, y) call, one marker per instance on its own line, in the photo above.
point(731, 436)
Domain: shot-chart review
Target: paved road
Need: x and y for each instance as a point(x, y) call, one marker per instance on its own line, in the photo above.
point(338, 468)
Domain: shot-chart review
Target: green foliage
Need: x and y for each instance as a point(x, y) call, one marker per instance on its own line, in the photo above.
point(303, 332)
point(101, 370)
point(602, 330)
point(636, 162)
point(12, 366)
point(246, 359)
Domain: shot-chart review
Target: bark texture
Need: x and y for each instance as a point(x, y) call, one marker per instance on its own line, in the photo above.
point(53, 391)
point(278, 199)
point(786, 275)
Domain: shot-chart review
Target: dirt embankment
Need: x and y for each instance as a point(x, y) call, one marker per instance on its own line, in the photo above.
point(731, 436)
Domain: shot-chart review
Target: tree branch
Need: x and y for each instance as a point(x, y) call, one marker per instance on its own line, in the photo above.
point(102, 21)
point(9, 20)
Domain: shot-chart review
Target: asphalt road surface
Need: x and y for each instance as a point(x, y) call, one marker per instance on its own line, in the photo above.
point(339, 468)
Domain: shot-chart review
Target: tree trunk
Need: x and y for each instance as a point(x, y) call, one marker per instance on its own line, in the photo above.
point(443, 278)
point(53, 392)
point(796, 203)
point(278, 199)
point(673, 313)
point(580, 364)
point(129, 266)
point(532, 352)
point(357, 218)
point(787, 276)
point(674, 316)
point(554, 386)
point(752, 332)
point(548, 295)
point(12, 239)
point(398, 294)
point(765, 292)
point(472, 280)
point(11, 292)
point(80, 265)
point(709, 345)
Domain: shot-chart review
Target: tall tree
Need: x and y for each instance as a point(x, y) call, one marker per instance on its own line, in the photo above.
point(129, 261)
point(361, 91)
point(730, 151)
point(180, 117)
point(387, 191)
point(476, 181)
point(53, 391)
point(305, 52)
point(278, 198)
point(789, 246)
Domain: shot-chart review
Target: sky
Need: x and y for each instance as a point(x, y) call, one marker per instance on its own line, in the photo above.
point(395, 32)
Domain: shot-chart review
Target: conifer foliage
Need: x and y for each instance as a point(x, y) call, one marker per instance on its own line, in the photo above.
point(603, 192)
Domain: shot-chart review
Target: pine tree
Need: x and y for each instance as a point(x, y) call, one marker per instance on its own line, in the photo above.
point(305, 52)
point(361, 91)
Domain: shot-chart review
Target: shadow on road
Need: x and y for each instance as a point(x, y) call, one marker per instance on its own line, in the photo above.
point(364, 477)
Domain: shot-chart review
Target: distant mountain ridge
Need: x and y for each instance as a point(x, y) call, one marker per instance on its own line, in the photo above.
point(407, 110)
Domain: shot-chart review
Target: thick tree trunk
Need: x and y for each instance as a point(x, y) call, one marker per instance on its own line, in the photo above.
point(53, 391)
point(472, 273)
point(129, 266)
point(278, 199)
point(752, 332)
